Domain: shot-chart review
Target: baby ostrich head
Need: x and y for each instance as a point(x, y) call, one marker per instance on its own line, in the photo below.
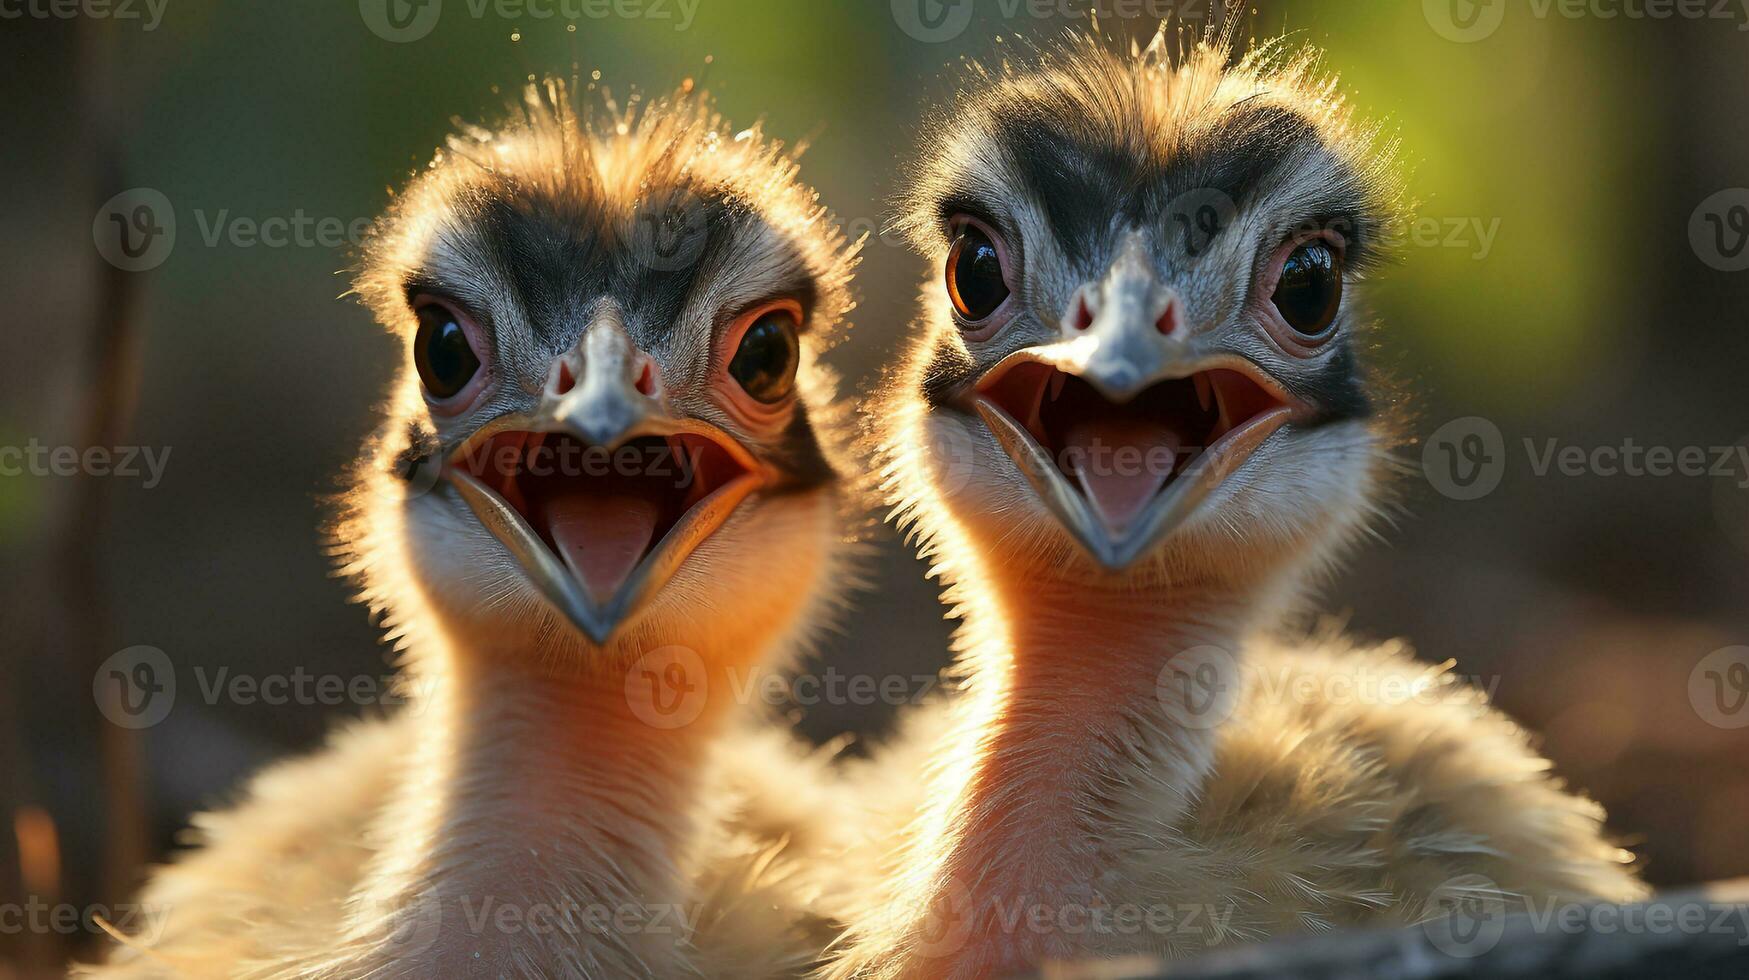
point(1139, 359)
point(608, 433)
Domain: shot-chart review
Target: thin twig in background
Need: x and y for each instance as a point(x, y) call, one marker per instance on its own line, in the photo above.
point(111, 385)
point(13, 783)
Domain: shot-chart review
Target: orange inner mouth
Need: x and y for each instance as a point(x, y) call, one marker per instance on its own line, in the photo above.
point(1120, 457)
point(601, 511)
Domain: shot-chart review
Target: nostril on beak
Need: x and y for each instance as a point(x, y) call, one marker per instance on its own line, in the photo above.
point(1168, 322)
point(1083, 317)
point(646, 383)
point(1083, 309)
point(561, 377)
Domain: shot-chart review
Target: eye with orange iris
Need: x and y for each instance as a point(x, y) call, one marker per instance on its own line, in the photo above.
point(975, 283)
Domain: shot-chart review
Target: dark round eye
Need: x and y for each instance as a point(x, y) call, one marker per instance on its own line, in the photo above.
point(441, 352)
point(765, 363)
point(974, 275)
point(1310, 291)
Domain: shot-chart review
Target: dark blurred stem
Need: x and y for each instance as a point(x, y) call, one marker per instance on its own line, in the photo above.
point(111, 381)
point(12, 793)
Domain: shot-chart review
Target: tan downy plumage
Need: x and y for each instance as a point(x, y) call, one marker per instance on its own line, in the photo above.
point(1144, 759)
point(538, 809)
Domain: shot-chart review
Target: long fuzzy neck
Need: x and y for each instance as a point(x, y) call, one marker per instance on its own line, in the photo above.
point(543, 820)
point(1080, 694)
point(541, 824)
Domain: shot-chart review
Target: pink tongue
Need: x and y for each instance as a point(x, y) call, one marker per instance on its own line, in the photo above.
point(601, 538)
point(1122, 463)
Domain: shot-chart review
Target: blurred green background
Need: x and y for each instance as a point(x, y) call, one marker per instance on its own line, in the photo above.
point(1553, 288)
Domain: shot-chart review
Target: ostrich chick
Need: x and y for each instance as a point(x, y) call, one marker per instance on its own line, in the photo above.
point(1132, 426)
point(602, 483)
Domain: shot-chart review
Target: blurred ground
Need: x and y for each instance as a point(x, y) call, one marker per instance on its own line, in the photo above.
point(1554, 289)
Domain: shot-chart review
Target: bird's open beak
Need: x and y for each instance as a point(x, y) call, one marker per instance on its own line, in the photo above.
point(1122, 426)
point(601, 493)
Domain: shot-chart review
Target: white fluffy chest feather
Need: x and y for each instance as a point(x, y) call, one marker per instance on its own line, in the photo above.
point(1348, 786)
